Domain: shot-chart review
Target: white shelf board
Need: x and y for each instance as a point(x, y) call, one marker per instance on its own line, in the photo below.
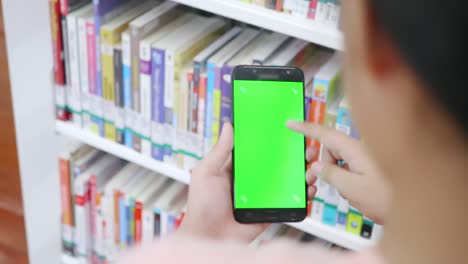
point(66, 259)
point(333, 234)
point(121, 151)
point(310, 226)
point(287, 24)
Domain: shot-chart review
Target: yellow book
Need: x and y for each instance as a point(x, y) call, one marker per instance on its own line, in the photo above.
point(111, 34)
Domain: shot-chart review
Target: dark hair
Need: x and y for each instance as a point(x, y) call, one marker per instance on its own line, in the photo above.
point(432, 36)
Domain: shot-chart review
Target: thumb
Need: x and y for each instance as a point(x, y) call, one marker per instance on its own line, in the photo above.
point(347, 183)
point(216, 158)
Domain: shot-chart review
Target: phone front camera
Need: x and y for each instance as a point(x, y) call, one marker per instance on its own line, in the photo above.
point(288, 72)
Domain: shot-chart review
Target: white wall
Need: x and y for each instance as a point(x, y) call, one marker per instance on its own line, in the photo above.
point(30, 62)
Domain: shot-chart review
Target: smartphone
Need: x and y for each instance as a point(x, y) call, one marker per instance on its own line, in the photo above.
point(268, 159)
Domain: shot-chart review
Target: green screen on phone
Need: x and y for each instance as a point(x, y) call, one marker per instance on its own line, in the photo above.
point(269, 159)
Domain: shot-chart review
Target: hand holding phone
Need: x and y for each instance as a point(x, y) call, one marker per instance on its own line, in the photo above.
point(268, 159)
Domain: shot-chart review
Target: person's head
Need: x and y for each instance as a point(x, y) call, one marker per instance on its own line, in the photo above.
point(406, 77)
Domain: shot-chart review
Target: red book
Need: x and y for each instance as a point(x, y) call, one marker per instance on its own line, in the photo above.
point(138, 222)
point(64, 7)
point(312, 9)
point(316, 115)
point(279, 5)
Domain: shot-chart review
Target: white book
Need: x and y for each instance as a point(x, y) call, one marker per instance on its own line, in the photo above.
point(272, 44)
point(83, 69)
point(288, 53)
point(143, 116)
point(74, 63)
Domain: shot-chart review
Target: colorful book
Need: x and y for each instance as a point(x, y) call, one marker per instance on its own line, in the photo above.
point(104, 11)
point(111, 33)
point(124, 208)
point(214, 67)
point(171, 196)
point(138, 29)
point(354, 222)
point(58, 61)
point(109, 166)
point(127, 88)
point(246, 56)
point(312, 9)
point(143, 123)
point(200, 61)
point(141, 203)
point(146, 201)
point(119, 97)
point(178, 48)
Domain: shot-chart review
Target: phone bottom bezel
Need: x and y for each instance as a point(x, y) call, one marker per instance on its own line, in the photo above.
point(281, 215)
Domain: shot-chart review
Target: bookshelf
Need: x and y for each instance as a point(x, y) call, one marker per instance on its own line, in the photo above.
point(315, 228)
point(301, 28)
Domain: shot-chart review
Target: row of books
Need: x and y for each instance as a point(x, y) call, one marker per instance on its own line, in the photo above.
point(110, 206)
point(325, 12)
point(165, 88)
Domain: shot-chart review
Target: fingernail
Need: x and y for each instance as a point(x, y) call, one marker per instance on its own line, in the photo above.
point(291, 123)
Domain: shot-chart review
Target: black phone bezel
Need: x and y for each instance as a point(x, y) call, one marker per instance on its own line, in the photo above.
point(267, 215)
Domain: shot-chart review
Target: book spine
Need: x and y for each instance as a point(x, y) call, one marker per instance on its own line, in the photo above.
point(93, 209)
point(58, 62)
point(138, 223)
point(216, 114)
point(82, 216)
point(110, 250)
point(127, 88)
point(211, 73)
point(169, 76)
point(131, 222)
point(312, 9)
point(202, 106)
point(145, 98)
point(95, 99)
point(134, 65)
point(279, 5)
point(116, 203)
point(75, 96)
point(157, 223)
point(122, 222)
point(66, 205)
point(119, 97)
point(83, 72)
point(147, 235)
point(194, 94)
point(99, 253)
point(157, 97)
point(367, 228)
point(108, 82)
point(354, 223)
point(66, 55)
point(226, 95)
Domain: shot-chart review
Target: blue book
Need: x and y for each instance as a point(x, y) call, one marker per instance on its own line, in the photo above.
point(123, 222)
point(211, 74)
point(157, 106)
point(127, 87)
